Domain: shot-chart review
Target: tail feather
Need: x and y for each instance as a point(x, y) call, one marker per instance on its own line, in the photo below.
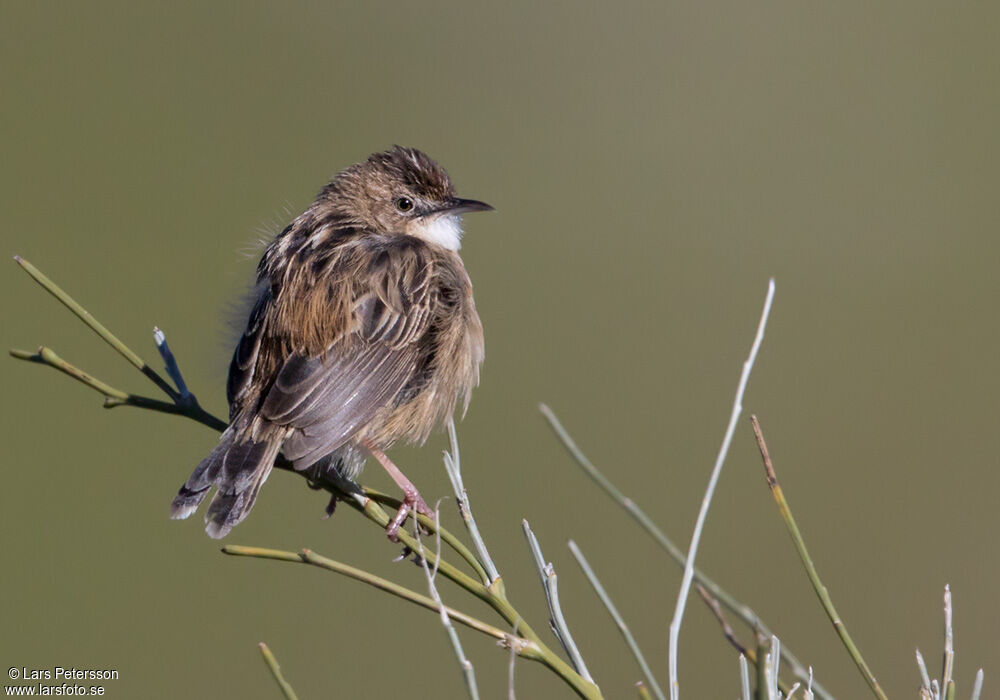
point(194, 490)
point(238, 469)
point(228, 509)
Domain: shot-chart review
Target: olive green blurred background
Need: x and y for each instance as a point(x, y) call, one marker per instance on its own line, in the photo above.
point(652, 164)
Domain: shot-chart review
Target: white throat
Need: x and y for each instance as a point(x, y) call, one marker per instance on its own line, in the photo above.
point(444, 230)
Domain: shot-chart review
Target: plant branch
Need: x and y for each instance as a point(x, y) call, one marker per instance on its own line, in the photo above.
point(741, 610)
point(95, 325)
point(272, 665)
point(618, 619)
point(453, 465)
point(727, 630)
point(468, 672)
point(170, 364)
point(47, 356)
point(449, 539)
point(492, 596)
point(682, 596)
point(744, 678)
point(949, 641)
point(977, 686)
point(800, 546)
point(550, 584)
point(523, 647)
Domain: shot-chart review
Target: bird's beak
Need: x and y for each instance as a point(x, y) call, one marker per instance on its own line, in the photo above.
point(462, 206)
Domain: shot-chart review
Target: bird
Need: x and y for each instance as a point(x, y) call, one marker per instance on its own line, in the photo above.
point(363, 332)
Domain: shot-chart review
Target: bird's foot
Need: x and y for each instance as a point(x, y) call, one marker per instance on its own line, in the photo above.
point(412, 500)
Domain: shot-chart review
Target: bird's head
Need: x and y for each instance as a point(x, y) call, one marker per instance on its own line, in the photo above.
point(401, 191)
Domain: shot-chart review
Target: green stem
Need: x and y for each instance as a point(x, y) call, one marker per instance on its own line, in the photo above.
point(760, 692)
point(47, 356)
point(817, 584)
point(523, 647)
point(741, 610)
point(557, 621)
point(585, 689)
point(96, 326)
point(619, 621)
point(428, 522)
point(116, 397)
point(272, 664)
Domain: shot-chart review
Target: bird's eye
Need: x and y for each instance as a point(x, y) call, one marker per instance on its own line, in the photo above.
point(404, 203)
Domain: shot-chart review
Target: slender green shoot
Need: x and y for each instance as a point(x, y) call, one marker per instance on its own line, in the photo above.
point(468, 672)
point(272, 665)
point(800, 546)
point(741, 610)
point(547, 574)
point(618, 619)
point(96, 326)
point(453, 465)
point(744, 678)
point(977, 687)
point(713, 480)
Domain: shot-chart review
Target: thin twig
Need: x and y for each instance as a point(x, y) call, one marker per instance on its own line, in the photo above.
point(468, 672)
point(925, 678)
point(772, 694)
point(730, 636)
point(525, 648)
point(948, 664)
point(744, 678)
point(760, 692)
point(453, 465)
point(977, 687)
point(534, 648)
point(510, 673)
point(675, 624)
point(449, 539)
point(170, 364)
point(800, 545)
point(619, 620)
point(743, 611)
point(116, 397)
point(47, 356)
point(94, 325)
point(643, 691)
point(496, 599)
point(774, 660)
point(272, 665)
point(557, 622)
point(727, 629)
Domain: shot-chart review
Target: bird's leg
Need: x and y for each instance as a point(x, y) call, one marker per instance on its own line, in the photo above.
point(411, 497)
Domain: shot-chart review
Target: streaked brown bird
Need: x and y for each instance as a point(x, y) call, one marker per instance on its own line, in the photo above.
point(364, 332)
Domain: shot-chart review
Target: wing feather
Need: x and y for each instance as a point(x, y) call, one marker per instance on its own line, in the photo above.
point(325, 400)
point(244, 363)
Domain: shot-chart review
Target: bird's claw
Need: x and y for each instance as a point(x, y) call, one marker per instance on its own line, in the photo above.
point(412, 500)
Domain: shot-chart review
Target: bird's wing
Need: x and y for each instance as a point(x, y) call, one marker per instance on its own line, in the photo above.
point(327, 399)
point(244, 362)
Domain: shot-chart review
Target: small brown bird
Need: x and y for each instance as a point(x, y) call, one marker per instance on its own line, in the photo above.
point(364, 332)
